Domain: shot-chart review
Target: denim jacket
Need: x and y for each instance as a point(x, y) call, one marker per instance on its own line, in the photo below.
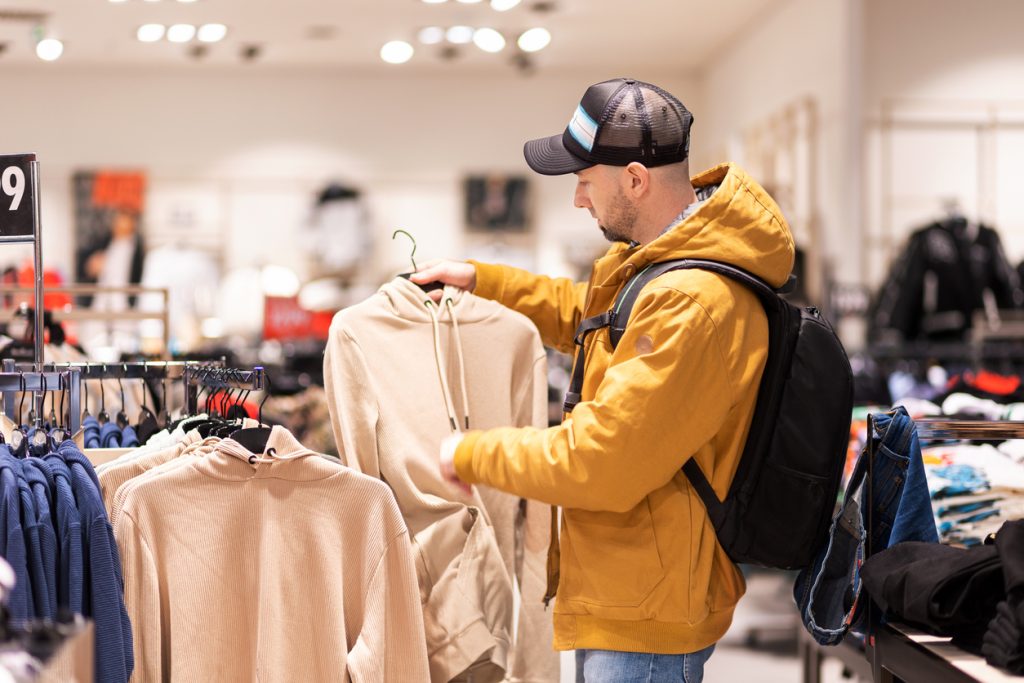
point(828, 592)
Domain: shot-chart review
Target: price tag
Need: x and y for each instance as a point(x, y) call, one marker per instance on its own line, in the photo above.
point(17, 198)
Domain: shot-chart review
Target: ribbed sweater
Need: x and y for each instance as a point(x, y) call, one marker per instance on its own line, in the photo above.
point(290, 570)
point(390, 410)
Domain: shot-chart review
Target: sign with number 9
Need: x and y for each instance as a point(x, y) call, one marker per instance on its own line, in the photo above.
point(17, 204)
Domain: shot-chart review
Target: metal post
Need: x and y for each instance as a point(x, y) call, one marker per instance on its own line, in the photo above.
point(38, 241)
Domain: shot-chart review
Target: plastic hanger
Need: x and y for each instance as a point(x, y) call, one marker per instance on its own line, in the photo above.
point(427, 287)
point(40, 440)
point(254, 439)
point(85, 399)
point(103, 417)
point(122, 417)
point(18, 438)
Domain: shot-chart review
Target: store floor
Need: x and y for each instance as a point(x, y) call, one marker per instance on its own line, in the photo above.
point(761, 644)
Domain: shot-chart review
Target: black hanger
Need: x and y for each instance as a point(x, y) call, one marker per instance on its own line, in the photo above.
point(103, 417)
point(122, 417)
point(85, 397)
point(58, 435)
point(254, 439)
point(427, 287)
point(19, 441)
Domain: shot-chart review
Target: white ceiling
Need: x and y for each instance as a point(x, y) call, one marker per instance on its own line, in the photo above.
point(613, 34)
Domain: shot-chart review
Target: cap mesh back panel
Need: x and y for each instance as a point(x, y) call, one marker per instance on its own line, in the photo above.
point(622, 129)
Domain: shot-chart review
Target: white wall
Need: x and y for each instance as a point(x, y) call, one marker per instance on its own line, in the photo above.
point(258, 144)
point(798, 49)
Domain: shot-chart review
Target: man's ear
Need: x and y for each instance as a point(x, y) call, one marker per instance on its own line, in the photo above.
point(637, 179)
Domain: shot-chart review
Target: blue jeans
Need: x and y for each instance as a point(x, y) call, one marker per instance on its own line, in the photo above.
point(828, 593)
point(607, 666)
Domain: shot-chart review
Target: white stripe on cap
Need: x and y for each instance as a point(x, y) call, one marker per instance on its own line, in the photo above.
point(583, 128)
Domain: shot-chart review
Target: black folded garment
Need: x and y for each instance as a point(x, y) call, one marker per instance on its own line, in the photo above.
point(1003, 644)
point(939, 589)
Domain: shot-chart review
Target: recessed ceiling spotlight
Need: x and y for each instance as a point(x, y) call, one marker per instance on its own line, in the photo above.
point(150, 33)
point(186, 1)
point(212, 33)
point(396, 52)
point(181, 33)
point(117, 1)
point(49, 49)
point(152, 0)
point(431, 35)
point(504, 5)
point(459, 35)
point(489, 40)
point(535, 39)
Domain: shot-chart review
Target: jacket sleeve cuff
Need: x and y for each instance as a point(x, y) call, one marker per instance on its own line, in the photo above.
point(490, 280)
point(464, 457)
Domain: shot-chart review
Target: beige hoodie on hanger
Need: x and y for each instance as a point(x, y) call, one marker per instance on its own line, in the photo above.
point(402, 374)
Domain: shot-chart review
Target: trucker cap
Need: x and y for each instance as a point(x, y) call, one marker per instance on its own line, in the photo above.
point(616, 123)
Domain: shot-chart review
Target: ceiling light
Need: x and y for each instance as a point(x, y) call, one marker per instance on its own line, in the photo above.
point(460, 35)
point(503, 5)
point(535, 39)
point(49, 49)
point(186, 1)
point(117, 1)
point(152, 0)
point(396, 52)
point(181, 33)
point(150, 33)
point(431, 35)
point(489, 40)
point(212, 33)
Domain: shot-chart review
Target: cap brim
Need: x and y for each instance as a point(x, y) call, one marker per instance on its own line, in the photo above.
point(548, 156)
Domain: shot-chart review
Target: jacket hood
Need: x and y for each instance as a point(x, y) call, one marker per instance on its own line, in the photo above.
point(408, 301)
point(739, 224)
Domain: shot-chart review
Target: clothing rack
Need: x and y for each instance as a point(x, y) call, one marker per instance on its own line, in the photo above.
point(144, 370)
point(12, 382)
point(894, 651)
point(210, 377)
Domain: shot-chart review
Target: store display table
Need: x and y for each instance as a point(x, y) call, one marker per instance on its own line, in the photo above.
point(901, 653)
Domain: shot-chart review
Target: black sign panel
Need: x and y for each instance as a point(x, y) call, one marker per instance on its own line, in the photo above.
point(17, 197)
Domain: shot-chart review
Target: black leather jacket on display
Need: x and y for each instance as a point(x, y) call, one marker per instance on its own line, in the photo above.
point(943, 276)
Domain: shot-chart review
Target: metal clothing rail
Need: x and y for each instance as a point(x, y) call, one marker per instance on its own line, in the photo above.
point(211, 377)
point(144, 370)
point(13, 382)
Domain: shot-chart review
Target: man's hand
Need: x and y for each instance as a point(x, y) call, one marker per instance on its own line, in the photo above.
point(456, 273)
point(447, 463)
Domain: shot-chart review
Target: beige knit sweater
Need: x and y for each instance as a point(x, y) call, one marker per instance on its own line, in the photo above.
point(400, 374)
point(289, 570)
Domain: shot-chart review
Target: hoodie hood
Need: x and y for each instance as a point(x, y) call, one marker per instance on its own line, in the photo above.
point(739, 224)
point(406, 300)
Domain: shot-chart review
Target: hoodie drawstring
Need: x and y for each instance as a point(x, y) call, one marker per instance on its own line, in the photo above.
point(442, 373)
point(462, 361)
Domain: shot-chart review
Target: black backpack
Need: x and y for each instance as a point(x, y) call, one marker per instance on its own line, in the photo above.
point(781, 501)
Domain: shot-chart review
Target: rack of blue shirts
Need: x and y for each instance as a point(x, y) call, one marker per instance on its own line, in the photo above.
point(54, 530)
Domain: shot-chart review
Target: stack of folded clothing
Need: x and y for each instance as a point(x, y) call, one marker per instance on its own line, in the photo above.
point(974, 595)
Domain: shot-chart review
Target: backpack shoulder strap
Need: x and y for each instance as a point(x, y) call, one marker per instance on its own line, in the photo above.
point(624, 302)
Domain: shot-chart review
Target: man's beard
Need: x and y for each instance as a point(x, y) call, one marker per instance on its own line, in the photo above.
point(621, 221)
